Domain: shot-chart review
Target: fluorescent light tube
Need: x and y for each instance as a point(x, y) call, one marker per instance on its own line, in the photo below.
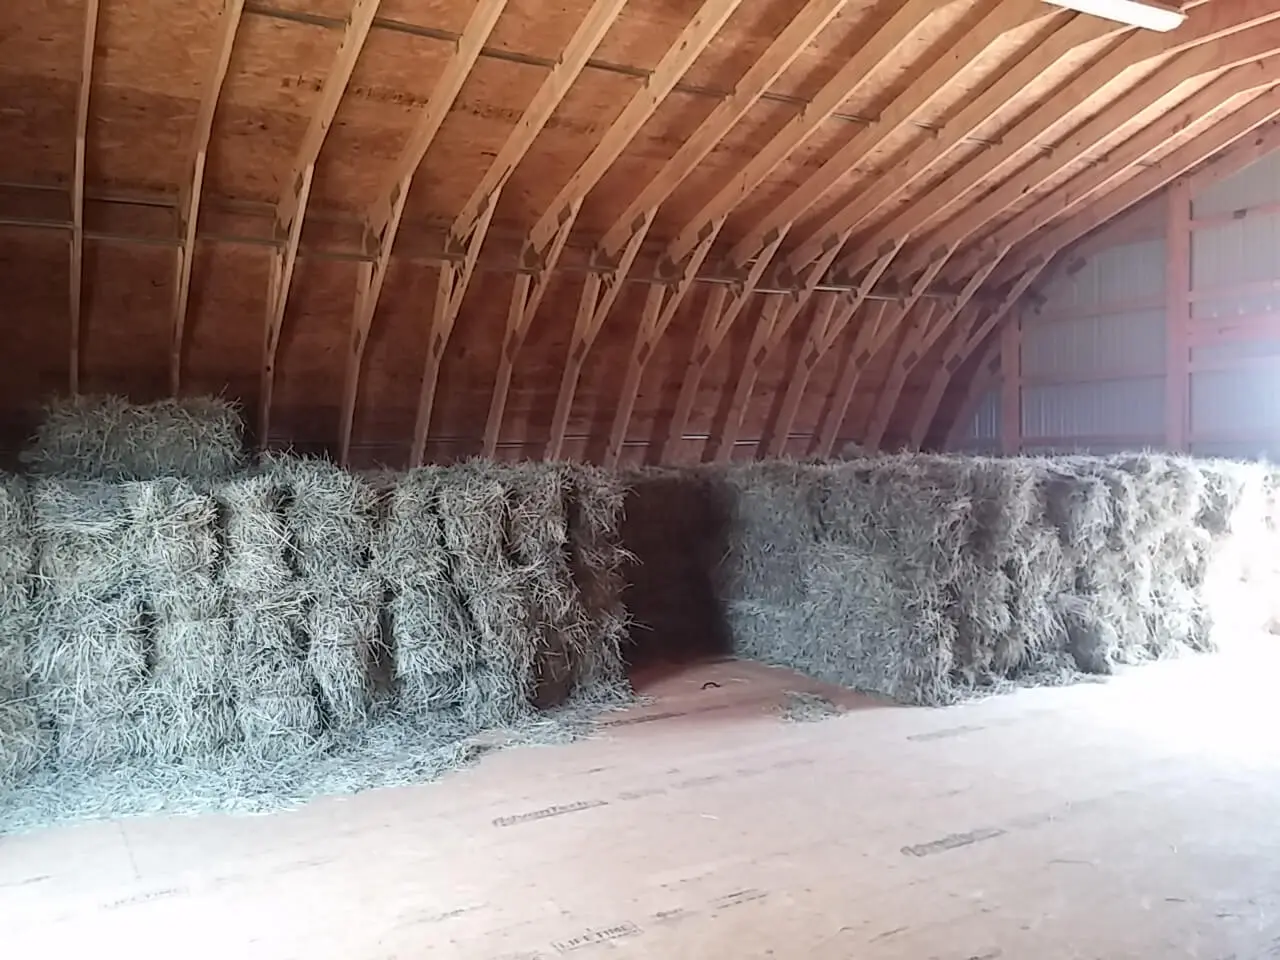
point(1147, 14)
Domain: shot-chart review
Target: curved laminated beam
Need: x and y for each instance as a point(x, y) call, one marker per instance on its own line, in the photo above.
point(828, 325)
point(189, 196)
point(77, 188)
point(615, 255)
point(987, 377)
point(851, 367)
point(884, 190)
point(1206, 24)
point(291, 209)
point(998, 17)
point(542, 251)
point(382, 222)
point(1136, 149)
point(1168, 83)
point(917, 342)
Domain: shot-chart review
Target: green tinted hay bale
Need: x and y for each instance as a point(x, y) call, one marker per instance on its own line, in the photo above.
point(108, 438)
point(80, 527)
point(25, 745)
point(256, 547)
point(173, 542)
point(345, 640)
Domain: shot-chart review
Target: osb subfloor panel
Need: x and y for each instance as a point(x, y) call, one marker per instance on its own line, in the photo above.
point(1132, 819)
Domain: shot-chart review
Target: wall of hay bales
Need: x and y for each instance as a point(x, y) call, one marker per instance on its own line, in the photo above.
point(294, 629)
point(929, 579)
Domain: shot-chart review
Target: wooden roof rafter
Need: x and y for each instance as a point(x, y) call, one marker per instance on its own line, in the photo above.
point(851, 367)
point(863, 204)
point(1029, 264)
point(686, 252)
point(997, 18)
point(471, 225)
point(1233, 83)
point(1207, 23)
point(382, 222)
point(825, 330)
point(77, 189)
point(189, 195)
point(616, 252)
point(1181, 72)
point(291, 209)
point(543, 247)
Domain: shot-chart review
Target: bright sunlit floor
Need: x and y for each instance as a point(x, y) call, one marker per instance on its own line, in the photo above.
point(1135, 818)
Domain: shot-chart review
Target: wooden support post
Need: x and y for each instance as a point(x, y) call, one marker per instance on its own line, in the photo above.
point(291, 210)
point(189, 197)
point(1178, 297)
point(382, 225)
point(77, 189)
point(855, 361)
point(1011, 386)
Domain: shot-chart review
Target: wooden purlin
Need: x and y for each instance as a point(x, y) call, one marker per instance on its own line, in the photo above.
point(1217, 138)
point(1195, 43)
point(74, 303)
point(711, 334)
point(1168, 83)
point(854, 76)
point(695, 37)
point(470, 227)
point(1118, 162)
point(772, 329)
point(616, 252)
point(189, 197)
point(847, 382)
point(920, 339)
point(526, 295)
point(997, 17)
point(827, 328)
point(889, 326)
point(382, 224)
point(881, 191)
point(291, 209)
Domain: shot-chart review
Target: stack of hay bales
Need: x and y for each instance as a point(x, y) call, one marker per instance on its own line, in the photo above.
point(108, 438)
point(24, 743)
point(927, 578)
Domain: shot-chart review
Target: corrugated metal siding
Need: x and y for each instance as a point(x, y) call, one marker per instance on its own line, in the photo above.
point(1234, 402)
point(1255, 185)
point(1239, 449)
point(982, 435)
point(1241, 251)
point(1236, 351)
point(1066, 448)
point(1120, 408)
point(1093, 345)
point(1121, 274)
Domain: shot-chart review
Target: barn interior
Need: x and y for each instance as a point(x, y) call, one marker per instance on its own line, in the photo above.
point(491, 478)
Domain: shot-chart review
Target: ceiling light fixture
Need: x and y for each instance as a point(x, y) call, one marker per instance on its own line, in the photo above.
point(1147, 14)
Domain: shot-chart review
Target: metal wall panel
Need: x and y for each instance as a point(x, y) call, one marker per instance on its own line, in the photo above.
point(1232, 403)
point(1239, 449)
point(1246, 350)
point(1255, 185)
point(1068, 448)
point(1122, 274)
point(1089, 346)
point(1239, 251)
point(982, 435)
point(1120, 408)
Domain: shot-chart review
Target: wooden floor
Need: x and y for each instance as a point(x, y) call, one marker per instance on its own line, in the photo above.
point(1140, 818)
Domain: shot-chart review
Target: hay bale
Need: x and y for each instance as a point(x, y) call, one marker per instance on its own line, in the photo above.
point(256, 548)
point(172, 541)
point(17, 545)
point(108, 438)
point(79, 528)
